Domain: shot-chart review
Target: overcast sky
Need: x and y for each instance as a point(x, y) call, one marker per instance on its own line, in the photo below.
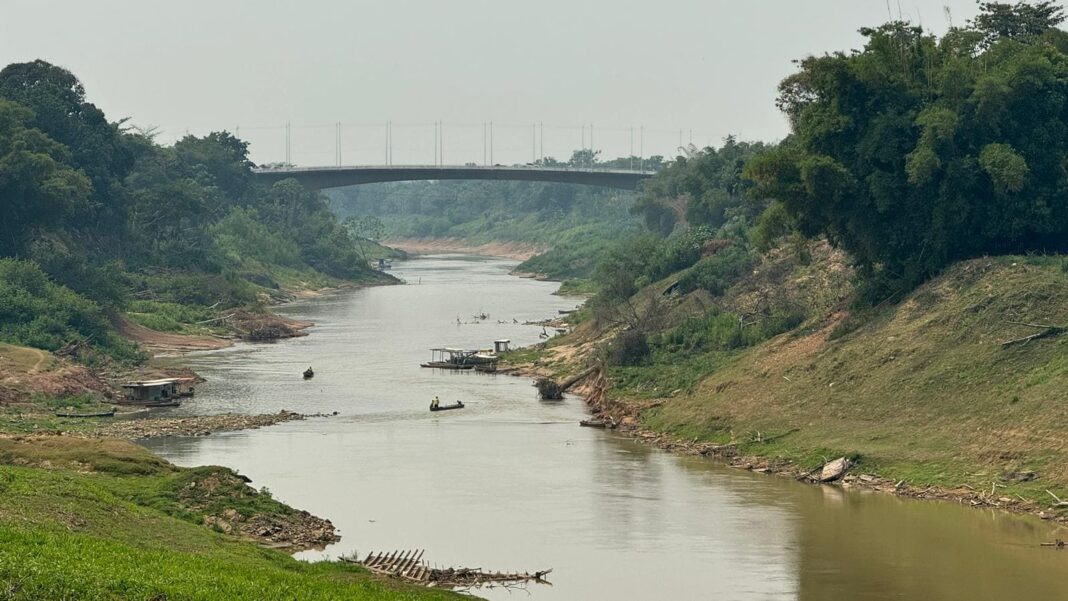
point(706, 66)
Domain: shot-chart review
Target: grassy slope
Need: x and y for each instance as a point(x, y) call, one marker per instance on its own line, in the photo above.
point(923, 390)
point(106, 520)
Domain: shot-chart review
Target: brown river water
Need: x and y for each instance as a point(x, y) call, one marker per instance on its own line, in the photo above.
point(513, 483)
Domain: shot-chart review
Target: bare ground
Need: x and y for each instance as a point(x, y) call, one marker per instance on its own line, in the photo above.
point(164, 343)
point(518, 251)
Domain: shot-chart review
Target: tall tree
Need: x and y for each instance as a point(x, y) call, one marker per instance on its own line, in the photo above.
point(917, 151)
point(38, 187)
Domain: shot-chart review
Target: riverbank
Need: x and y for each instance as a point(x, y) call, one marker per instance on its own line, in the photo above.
point(518, 251)
point(929, 397)
point(105, 519)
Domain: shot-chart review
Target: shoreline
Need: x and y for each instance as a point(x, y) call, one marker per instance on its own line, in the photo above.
point(628, 424)
point(516, 251)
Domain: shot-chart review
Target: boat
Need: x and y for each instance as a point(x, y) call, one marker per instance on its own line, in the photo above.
point(445, 365)
point(597, 422)
point(456, 405)
point(170, 403)
point(308, 373)
point(488, 368)
point(454, 358)
point(109, 413)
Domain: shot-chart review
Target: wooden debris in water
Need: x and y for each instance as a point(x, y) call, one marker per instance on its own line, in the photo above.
point(409, 565)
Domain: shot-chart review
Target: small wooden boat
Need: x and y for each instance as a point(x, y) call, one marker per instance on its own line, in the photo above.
point(597, 422)
point(172, 402)
point(308, 373)
point(447, 365)
point(456, 405)
point(110, 413)
point(487, 368)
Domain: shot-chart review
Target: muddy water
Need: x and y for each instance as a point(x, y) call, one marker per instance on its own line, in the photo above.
point(512, 483)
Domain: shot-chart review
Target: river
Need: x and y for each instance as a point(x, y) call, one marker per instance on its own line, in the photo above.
point(512, 483)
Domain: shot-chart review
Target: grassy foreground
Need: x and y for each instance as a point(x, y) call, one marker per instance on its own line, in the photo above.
point(105, 519)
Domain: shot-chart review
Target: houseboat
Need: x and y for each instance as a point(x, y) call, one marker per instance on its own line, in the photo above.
point(165, 392)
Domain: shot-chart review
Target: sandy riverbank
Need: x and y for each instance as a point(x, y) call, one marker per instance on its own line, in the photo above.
point(518, 251)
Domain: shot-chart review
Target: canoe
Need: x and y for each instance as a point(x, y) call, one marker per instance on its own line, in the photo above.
point(456, 405)
point(110, 413)
point(595, 423)
point(447, 365)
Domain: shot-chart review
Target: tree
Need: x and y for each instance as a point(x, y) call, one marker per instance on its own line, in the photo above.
point(37, 186)
point(917, 151)
point(1021, 21)
point(60, 110)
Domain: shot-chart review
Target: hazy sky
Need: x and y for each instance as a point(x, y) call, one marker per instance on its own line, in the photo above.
point(710, 66)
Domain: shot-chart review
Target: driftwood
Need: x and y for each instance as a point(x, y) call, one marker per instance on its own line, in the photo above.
point(409, 566)
point(1059, 502)
point(550, 390)
point(1047, 332)
point(1058, 543)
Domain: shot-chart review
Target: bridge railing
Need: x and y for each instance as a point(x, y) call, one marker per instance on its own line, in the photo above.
point(527, 167)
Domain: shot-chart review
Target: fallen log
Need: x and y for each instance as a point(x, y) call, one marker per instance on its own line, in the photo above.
point(550, 390)
point(1047, 332)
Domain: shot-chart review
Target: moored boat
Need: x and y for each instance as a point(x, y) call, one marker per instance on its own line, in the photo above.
point(109, 413)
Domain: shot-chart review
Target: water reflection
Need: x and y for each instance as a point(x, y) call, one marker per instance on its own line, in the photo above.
point(512, 483)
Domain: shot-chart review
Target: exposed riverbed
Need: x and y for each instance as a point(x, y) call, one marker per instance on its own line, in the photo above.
point(512, 483)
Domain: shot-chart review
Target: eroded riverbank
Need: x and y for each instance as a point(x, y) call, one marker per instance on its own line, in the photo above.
point(522, 485)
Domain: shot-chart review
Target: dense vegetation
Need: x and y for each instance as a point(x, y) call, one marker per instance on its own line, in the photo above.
point(118, 222)
point(908, 154)
point(916, 151)
point(577, 223)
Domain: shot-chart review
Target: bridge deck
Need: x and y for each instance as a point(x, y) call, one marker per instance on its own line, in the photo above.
point(337, 177)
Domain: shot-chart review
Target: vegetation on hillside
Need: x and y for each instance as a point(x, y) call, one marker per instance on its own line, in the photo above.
point(918, 151)
point(116, 222)
point(823, 297)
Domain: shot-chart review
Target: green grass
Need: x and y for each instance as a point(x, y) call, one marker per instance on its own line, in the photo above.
point(923, 390)
point(122, 525)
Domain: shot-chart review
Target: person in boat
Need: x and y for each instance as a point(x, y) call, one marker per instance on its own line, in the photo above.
point(435, 402)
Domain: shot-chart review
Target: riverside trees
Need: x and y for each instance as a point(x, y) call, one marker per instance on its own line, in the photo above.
point(105, 211)
point(918, 151)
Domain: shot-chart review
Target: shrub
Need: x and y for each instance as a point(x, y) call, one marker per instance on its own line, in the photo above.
point(37, 312)
point(629, 348)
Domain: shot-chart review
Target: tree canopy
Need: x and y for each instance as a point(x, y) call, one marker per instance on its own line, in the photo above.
point(917, 151)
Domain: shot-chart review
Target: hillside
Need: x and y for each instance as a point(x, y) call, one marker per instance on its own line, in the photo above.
point(923, 390)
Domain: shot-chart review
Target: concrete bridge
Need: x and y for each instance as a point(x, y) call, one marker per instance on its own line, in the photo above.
point(318, 178)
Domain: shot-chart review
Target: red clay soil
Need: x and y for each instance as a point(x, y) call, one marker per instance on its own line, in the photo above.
point(160, 343)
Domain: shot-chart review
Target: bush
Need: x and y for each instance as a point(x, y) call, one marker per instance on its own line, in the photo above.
point(716, 273)
point(240, 236)
point(37, 312)
point(629, 348)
